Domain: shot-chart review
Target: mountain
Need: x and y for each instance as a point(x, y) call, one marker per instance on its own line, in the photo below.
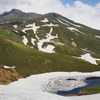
point(35, 43)
point(16, 15)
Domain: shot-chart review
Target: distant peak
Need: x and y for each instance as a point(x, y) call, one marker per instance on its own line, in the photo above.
point(15, 10)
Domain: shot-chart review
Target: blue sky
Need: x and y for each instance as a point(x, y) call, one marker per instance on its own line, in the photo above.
point(90, 2)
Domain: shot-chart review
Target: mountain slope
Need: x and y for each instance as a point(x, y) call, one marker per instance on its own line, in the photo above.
point(48, 43)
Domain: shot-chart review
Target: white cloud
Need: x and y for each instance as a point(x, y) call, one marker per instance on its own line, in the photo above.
point(79, 12)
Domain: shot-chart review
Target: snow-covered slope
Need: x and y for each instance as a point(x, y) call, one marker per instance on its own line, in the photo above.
point(32, 88)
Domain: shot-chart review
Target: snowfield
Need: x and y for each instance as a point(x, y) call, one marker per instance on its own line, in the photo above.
point(47, 49)
point(33, 87)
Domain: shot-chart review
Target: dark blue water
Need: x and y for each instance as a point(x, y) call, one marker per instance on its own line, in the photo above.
point(90, 83)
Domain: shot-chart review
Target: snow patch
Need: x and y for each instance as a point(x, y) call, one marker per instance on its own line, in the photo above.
point(15, 26)
point(89, 51)
point(62, 22)
point(25, 40)
point(57, 43)
point(49, 48)
point(89, 58)
point(73, 43)
point(7, 22)
point(16, 31)
point(40, 42)
point(97, 36)
point(45, 20)
point(70, 23)
point(9, 67)
point(31, 27)
point(74, 29)
point(33, 41)
point(51, 25)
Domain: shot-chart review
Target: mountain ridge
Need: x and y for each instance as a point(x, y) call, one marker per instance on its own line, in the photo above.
point(16, 14)
point(35, 15)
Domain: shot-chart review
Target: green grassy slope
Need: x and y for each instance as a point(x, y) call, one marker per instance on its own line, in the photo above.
point(31, 61)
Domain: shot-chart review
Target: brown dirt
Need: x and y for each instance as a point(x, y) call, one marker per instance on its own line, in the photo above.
point(8, 75)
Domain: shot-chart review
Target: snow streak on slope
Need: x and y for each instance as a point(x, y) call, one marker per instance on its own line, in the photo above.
point(51, 25)
point(74, 29)
point(25, 41)
point(89, 58)
point(62, 22)
point(69, 22)
point(31, 27)
point(97, 36)
point(31, 88)
point(49, 48)
point(45, 20)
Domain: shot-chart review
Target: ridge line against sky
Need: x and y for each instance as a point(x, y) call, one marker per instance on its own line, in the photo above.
point(82, 11)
